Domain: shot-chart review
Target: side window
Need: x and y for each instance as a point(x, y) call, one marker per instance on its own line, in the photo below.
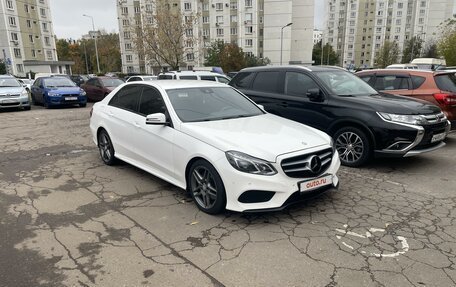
point(243, 80)
point(417, 81)
point(366, 78)
point(223, 80)
point(297, 84)
point(188, 78)
point(266, 82)
point(207, 78)
point(391, 82)
point(151, 102)
point(37, 82)
point(127, 98)
point(91, 82)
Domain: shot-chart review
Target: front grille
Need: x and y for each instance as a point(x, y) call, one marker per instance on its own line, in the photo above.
point(436, 118)
point(10, 95)
point(299, 166)
point(9, 104)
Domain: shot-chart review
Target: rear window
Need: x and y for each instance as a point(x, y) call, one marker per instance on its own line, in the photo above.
point(266, 81)
point(243, 80)
point(188, 77)
point(417, 81)
point(207, 78)
point(165, 77)
point(391, 82)
point(446, 82)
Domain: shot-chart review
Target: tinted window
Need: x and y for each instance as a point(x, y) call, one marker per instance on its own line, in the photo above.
point(37, 82)
point(223, 80)
point(207, 78)
point(344, 83)
point(266, 81)
point(188, 77)
point(297, 84)
point(127, 98)
point(391, 82)
point(417, 81)
point(366, 78)
point(165, 77)
point(446, 82)
point(151, 102)
point(243, 80)
point(206, 104)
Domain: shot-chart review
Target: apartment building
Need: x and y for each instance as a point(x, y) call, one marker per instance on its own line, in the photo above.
point(358, 28)
point(254, 25)
point(27, 38)
point(317, 35)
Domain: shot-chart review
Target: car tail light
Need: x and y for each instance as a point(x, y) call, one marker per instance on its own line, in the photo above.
point(445, 99)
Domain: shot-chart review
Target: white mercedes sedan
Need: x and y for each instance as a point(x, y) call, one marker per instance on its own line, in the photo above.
point(213, 141)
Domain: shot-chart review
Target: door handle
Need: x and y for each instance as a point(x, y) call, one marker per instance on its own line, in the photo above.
point(136, 124)
point(110, 113)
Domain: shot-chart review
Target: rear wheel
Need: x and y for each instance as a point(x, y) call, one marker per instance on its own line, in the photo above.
point(106, 148)
point(206, 187)
point(353, 146)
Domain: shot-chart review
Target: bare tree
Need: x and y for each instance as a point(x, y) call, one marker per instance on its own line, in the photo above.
point(165, 35)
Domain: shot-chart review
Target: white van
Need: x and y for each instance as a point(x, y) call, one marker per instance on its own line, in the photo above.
point(194, 75)
point(429, 63)
point(403, 66)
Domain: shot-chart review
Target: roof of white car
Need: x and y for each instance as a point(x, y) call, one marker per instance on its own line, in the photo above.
point(173, 84)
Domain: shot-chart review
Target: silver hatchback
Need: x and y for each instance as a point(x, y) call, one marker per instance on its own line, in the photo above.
point(13, 94)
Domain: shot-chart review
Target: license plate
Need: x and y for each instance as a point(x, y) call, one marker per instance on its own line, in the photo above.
point(71, 98)
point(315, 183)
point(7, 101)
point(438, 137)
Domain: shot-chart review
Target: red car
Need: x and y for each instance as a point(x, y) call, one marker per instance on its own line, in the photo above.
point(437, 87)
point(98, 87)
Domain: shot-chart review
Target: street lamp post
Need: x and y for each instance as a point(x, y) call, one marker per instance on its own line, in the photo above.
point(281, 40)
point(96, 48)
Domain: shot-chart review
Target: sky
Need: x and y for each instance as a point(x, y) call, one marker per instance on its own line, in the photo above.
point(69, 22)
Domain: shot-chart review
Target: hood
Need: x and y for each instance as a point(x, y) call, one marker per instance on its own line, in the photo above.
point(65, 90)
point(395, 104)
point(11, 90)
point(266, 136)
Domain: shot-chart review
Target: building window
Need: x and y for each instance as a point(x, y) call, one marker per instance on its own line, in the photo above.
point(129, 58)
point(248, 29)
point(233, 5)
point(219, 32)
point(248, 3)
point(248, 42)
point(233, 31)
point(248, 17)
point(206, 7)
point(47, 41)
point(205, 19)
point(20, 68)
point(219, 6)
point(31, 38)
point(43, 12)
point(49, 55)
point(206, 32)
point(45, 27)
point(148, 7)
point(124, 10)
point(17, 53)
point(187, 6)
point(189, 32)
point(29, 23)
point(219, 20)
point(26, 8)
point(125, 22)
point(33, 53)
point(127, 46)
point(137, 9)
point(190, 57)
point(233, 18)
point(12, 21)
point(14, 37)
point(9, 4)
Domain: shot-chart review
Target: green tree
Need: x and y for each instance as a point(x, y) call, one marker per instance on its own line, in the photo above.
point(387, 55)
point(412, 49)
point(447, 42)
point(214, 53)
point(431, 50)
point(2, 68)
point(254, 61)
point(330, 57)
point(63, 49)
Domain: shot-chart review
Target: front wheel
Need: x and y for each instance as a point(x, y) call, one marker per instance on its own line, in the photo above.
point(206, 187)
point(106, 148)
point(353, 146)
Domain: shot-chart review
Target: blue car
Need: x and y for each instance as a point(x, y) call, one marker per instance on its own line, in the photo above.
point(57, 91)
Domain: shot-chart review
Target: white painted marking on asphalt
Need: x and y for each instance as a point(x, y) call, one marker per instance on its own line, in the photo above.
point(346, 245)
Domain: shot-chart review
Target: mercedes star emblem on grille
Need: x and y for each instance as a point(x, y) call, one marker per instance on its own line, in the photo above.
point(315, 164)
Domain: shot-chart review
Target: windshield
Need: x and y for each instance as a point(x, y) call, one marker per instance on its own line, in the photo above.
point(58, 82)
point(345, 84)
point(207, 104)
point(111, 82)
point(446, 82)
point(9, 82)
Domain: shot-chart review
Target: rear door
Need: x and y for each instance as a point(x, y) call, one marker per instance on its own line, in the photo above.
point(394, 83)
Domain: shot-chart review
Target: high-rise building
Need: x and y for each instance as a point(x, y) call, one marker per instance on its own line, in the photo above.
point(357, 29)
point(257, 26)
point(317, 34)
point(27, 38)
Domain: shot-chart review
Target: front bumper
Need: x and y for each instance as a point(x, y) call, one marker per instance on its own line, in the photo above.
point(283, 187)
point(66, 100)
point(16, 102)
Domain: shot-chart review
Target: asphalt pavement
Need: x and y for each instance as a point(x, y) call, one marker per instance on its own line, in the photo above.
point(66, 219)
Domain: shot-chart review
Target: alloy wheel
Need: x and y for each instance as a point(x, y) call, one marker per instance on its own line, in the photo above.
point(203, 187)
point(350, 147)
point(104, 144)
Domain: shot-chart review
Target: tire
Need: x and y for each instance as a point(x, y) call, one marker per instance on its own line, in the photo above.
point(82, 105)
point(206, 187)
point(353, 146)
point(106, 148)
point(28, 108)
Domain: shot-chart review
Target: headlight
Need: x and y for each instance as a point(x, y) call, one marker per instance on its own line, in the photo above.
point(82, 92)
point(24, 93)
point(406, 119)
point(53, 94)
point(249, 164)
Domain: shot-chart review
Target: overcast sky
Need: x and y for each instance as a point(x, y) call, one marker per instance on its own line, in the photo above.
point(69, 22)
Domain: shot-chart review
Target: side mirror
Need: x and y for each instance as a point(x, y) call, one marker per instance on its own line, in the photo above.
point(156, 119)
point(314, 95)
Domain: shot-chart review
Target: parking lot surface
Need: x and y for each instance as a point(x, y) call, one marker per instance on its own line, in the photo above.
point(66, 219)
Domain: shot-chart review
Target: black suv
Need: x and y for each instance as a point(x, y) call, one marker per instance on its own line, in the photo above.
point(361, 120)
